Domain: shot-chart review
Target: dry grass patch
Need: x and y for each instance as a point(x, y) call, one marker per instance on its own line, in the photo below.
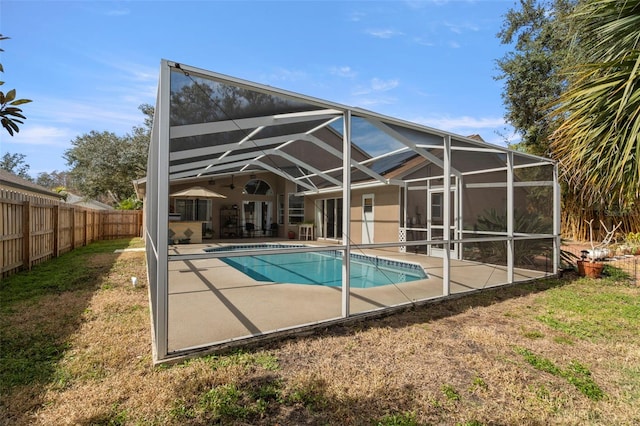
point(515, 355)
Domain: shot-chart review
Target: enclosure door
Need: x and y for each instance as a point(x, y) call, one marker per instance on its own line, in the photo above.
point(367, 219)
point(436, 220)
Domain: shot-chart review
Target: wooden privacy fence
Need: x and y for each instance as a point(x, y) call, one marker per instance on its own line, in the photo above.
point(34, 229)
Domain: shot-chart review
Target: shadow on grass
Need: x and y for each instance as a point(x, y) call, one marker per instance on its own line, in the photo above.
point(39, 312)
point(428, 311)
point(264, 398)
point(312, 401)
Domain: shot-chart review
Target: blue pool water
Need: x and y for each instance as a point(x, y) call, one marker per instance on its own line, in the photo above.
point(321, 268)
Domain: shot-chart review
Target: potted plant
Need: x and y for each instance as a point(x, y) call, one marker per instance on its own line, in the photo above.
point(593, 266)
point(632, 243)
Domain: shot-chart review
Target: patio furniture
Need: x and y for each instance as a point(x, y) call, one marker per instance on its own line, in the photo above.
point(305, 231)
point(250, 228)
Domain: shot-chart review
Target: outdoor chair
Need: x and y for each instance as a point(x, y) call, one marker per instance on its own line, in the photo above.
point(250, 228)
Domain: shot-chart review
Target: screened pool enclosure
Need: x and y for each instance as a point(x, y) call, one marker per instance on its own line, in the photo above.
point(269, 212)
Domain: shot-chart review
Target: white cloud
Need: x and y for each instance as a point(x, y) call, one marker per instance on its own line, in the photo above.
point(283, 74)
point(133, 82)
point(503, 137)
point(384, 33)
point(454, 44)
point(375, 93)
point(461, 123)
point(382, 85)
point(55, 122)
point(52, 124)
point(376, 85)
point(106, 114)
point(356, 16)
point(43, 135)
point(368, 102)
point(131, 71)
point(459, 28)
point(423, 42)
point(343, 71)
point(493, 130)
point(415, 4)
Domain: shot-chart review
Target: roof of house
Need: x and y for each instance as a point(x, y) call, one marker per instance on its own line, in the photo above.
point(476, 137)
point(78, 200)
point(23, 185)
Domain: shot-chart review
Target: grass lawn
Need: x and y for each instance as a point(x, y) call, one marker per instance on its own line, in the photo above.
point(75, 348)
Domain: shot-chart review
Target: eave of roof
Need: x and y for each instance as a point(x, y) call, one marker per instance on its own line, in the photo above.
point(18, 183)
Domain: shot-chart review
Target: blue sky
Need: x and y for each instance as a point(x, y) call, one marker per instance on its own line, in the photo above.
point(88, 65)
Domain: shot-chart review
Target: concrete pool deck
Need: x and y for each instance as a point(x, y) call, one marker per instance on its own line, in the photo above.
point(211, 302)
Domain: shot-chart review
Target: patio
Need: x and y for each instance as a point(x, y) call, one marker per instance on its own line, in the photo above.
point(213, 303)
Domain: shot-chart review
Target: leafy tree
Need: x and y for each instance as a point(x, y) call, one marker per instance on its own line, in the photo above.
point(104, 164)
point(148, 111)
point(198, 100)
point(15, 163)
point(532, 71)
point(131, 203)
point(10, 114)
point(55, 179)
point(598, 143)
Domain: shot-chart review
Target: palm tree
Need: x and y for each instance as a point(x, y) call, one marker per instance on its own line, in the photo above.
point(10, 114)
point(598, 141)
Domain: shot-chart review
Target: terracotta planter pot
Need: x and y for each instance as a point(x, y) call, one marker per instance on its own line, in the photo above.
point(292, 235)
point(593, 269)
point(580, 267)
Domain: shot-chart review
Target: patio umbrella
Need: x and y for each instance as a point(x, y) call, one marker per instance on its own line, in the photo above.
point(197, 192)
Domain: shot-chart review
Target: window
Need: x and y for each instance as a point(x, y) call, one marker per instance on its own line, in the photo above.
point(257, 187)
point(436, 205)
point(190, 209)
point(296, 209)
point(368, 205)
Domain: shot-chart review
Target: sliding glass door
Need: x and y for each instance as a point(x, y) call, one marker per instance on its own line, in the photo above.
point(329, 218)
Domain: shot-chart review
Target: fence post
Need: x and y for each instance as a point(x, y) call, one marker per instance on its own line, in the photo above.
point(56, 229)
point(94, 228)
point(100, 225)
point(84, 227)
point(26, 235)
point(73, 228)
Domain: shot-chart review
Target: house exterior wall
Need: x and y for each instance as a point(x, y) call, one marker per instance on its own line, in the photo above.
point(386, 210)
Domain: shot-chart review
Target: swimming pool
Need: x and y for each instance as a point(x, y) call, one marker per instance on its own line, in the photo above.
point(320, 268)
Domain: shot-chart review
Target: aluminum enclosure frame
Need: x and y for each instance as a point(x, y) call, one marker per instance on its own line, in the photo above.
point(167, 165)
